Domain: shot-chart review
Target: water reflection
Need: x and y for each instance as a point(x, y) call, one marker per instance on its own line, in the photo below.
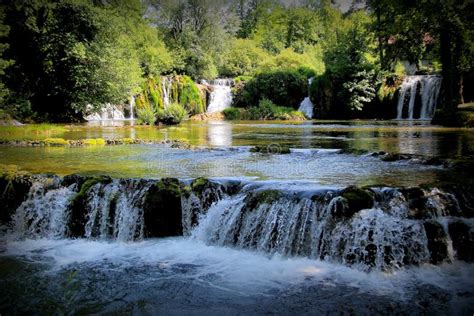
point(219, 133)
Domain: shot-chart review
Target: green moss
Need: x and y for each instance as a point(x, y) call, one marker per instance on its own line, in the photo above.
point(357, 199)
point(189, 95)
point(170, 185)
point(56, 142)
point(127, 141)
point(94, 142)
point(254, 200)
point(199, 184)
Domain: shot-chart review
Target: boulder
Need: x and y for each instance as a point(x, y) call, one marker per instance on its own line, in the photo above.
point(162, 209)
point(356, 199)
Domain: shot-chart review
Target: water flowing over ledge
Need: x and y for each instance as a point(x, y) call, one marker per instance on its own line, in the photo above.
point(369, 228)
point(426, 88)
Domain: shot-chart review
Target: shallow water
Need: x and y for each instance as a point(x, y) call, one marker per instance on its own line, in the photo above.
point(320, 151)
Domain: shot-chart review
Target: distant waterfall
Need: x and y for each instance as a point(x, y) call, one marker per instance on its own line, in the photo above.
point(221, 96)
point(428, 88)
point(166, 89)
point(306, 105)
point(132, 107)
point(108, 112)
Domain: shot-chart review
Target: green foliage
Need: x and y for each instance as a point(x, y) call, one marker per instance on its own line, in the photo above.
point(360, 89)
point(4, 63)
point(172, 114)
point(281, 87)
point(243, 57)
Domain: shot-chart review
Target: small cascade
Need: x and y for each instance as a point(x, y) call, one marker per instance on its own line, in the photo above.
point(306, 106)
point(166, 90)
point(108, 112)
point(428, 87)
point(221, 95)
point(132, 107)
point(374, 228)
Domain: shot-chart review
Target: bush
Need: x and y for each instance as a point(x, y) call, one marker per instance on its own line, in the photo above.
point(173, 114)
point(287, 87)
point(266, 110)
point(232, 114)
point(146, 114)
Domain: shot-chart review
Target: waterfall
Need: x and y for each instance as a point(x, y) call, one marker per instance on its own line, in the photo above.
point(107, 112)
point(306, 106)
point(132, 107)
point(381, 228)
point(426, 86)
point(221, 95)
point(166, 90)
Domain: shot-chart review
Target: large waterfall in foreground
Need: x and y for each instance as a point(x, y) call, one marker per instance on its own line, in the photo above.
point(418, 97)
point(221, 95)
point(372, 228)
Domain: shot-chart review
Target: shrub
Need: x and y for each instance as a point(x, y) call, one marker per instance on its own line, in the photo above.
point(173, 114)
point(232, 114)
point(146, 114)
point(266, 110)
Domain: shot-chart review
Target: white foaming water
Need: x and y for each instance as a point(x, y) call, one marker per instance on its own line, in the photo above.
point(303, 227)
point(221, 95)
point(108, 112)
point(429, 87)
point(44, 213)
point(238, 270)
point(306, 105)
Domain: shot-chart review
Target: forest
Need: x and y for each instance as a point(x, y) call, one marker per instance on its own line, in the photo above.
point(63, 59)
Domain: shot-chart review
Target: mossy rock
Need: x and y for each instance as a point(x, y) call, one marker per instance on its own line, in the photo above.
point(78, 209)
point(255, 199)
point(94, 142)
point(56, 142)
point(357, 199)
point(13, 191)
point(207, 191)
point(271, 149)
point(162, 209)
point(199, 185)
